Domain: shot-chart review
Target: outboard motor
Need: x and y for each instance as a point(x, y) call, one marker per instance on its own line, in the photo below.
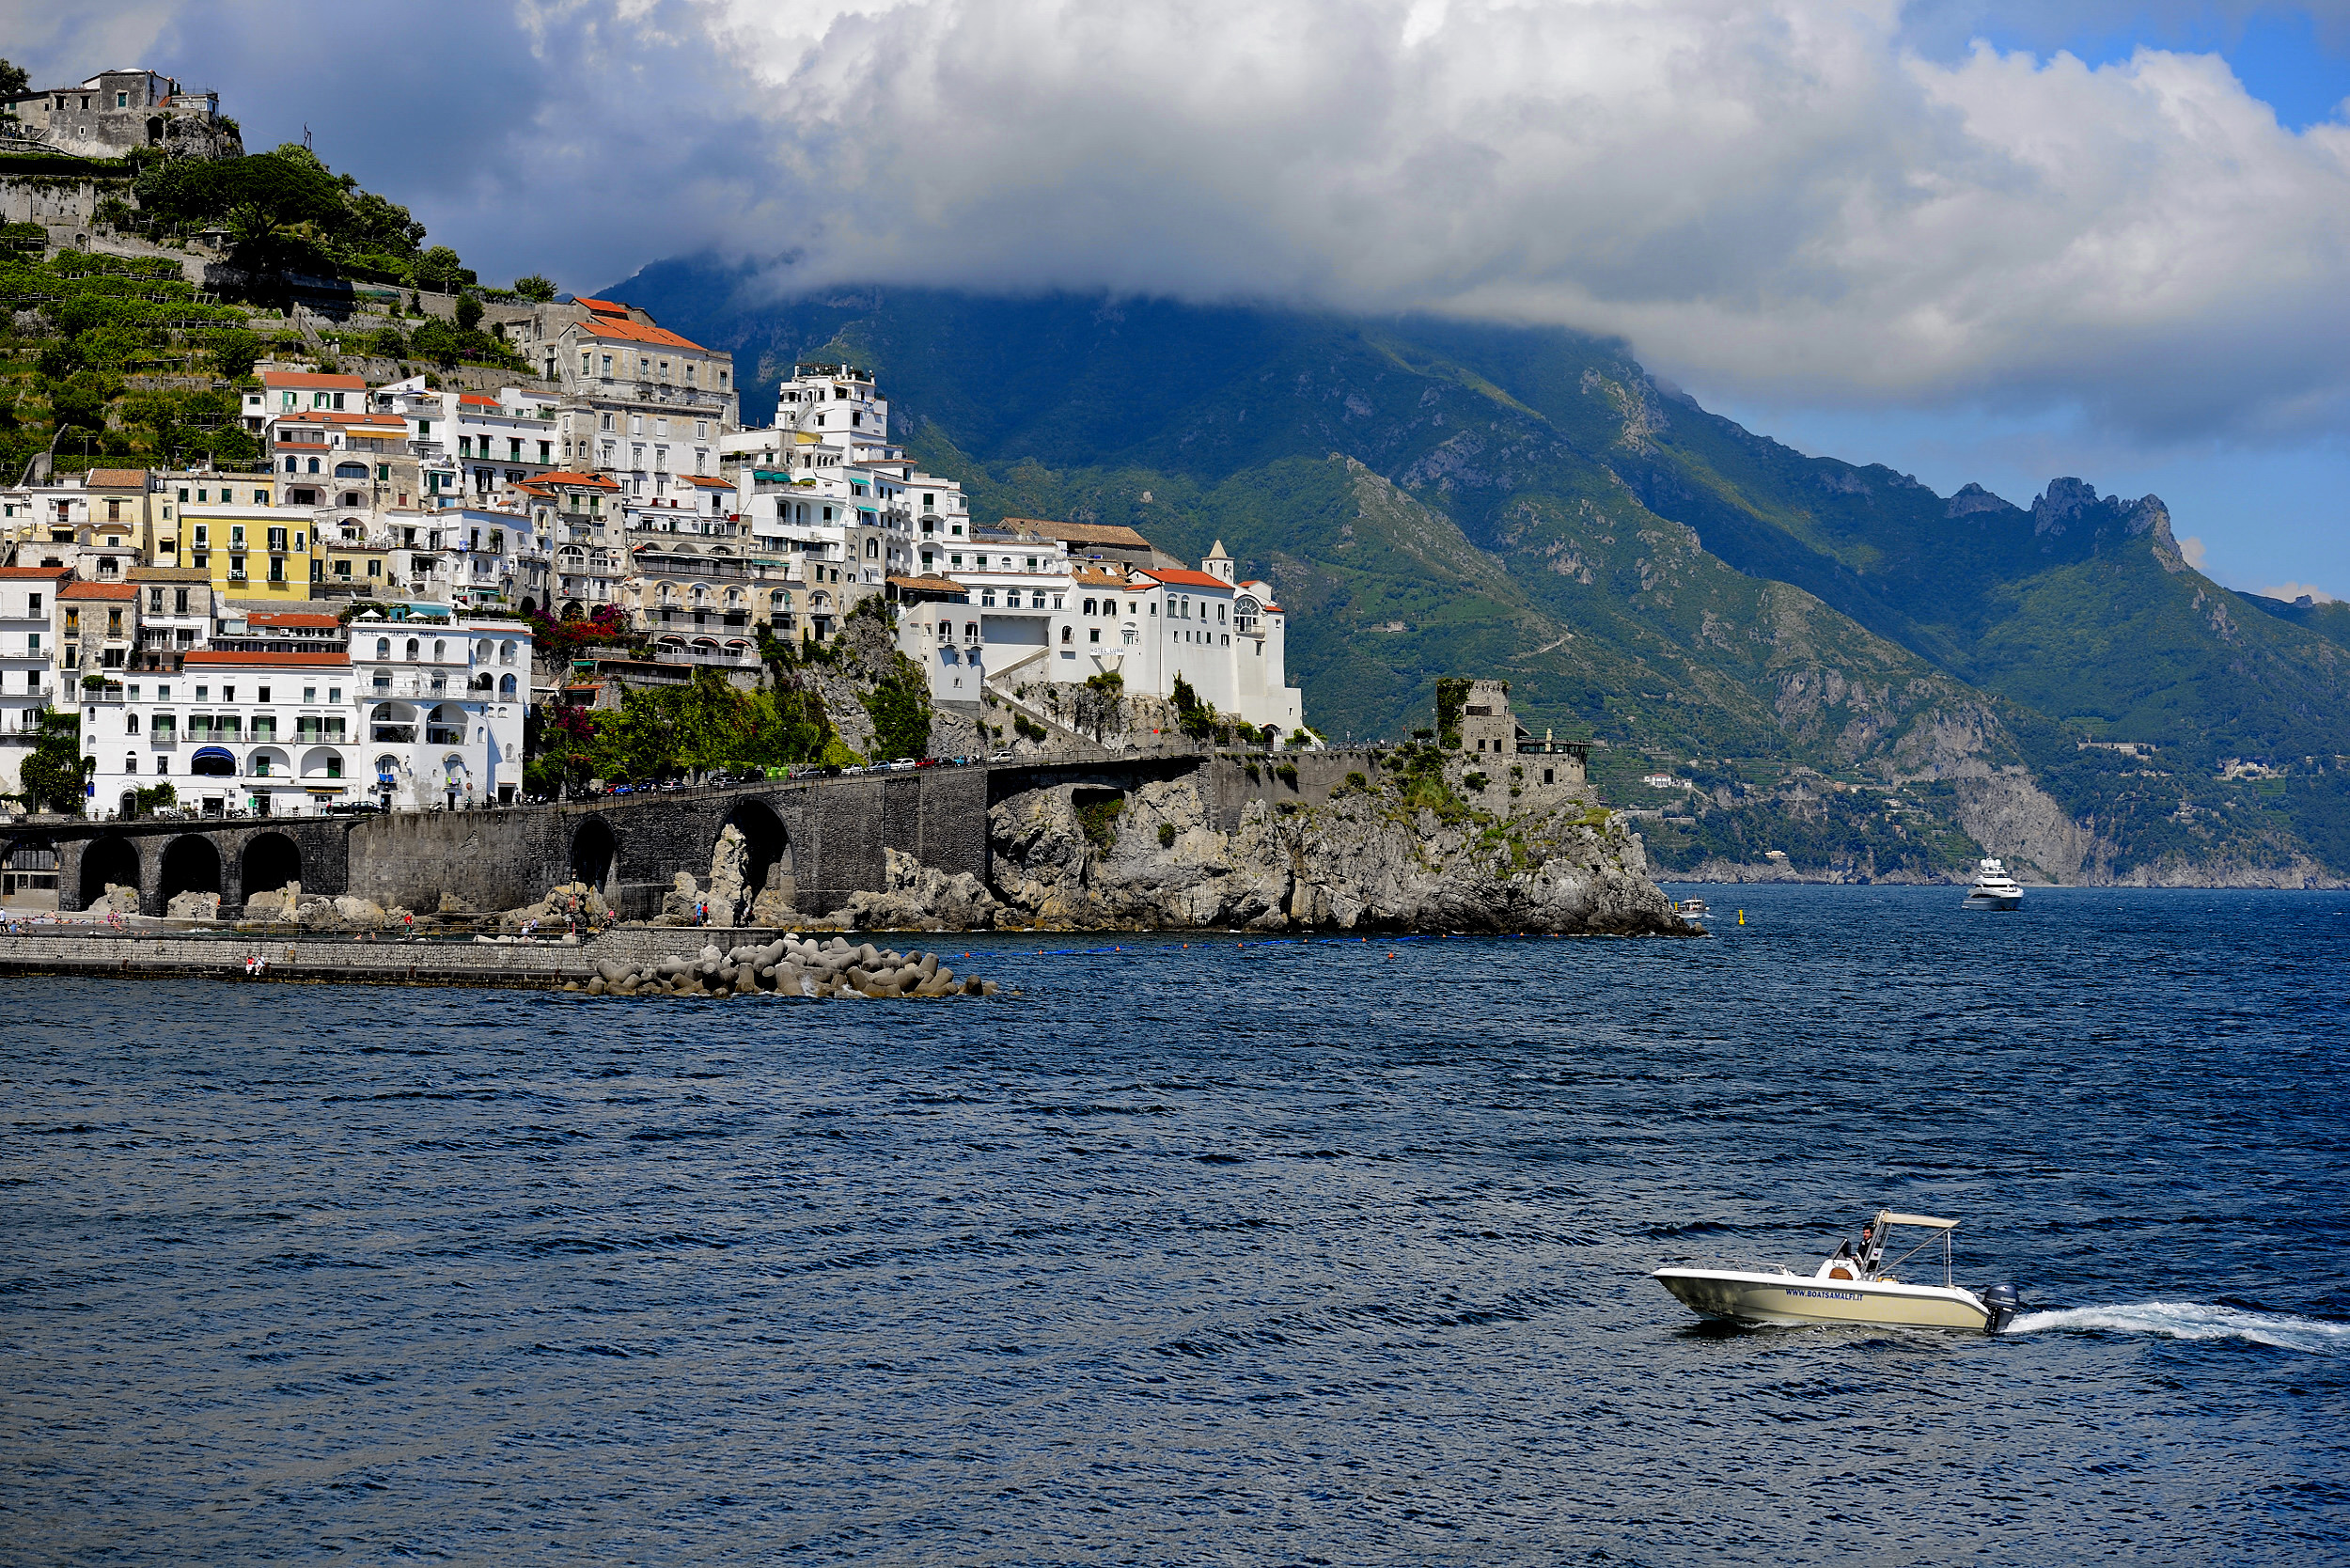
point(2004, 1304)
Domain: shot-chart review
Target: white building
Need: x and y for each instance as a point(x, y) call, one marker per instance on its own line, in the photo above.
point(263, 733)
point(28, 648)
point(1025, 614)
point(443, 704)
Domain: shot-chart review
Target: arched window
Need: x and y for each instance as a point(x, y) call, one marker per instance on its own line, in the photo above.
point(350, 471)
point(1068, 634)
point(440, 648)
point(383, 648)
point(414, 650)
point(506, 688)
point(506, 651)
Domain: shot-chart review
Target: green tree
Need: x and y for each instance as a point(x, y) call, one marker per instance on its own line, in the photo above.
point(441, 270)
point(234, 352)
point(468, 313)
point(55, 771)
point(12, 79)
point(534, 288)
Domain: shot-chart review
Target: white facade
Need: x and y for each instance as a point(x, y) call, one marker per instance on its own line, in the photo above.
point(442, 705)
point(28, 607)
point(261, 733)
point(411, 715)
point(1024, 615)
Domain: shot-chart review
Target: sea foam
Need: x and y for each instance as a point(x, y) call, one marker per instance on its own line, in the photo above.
point(2190, 1320)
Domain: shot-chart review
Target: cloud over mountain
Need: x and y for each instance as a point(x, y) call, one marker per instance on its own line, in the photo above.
point(1787, 197)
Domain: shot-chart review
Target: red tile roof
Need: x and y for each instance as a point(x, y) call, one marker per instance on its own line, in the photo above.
point(99, 591)
point(226, 656)
point(637, 332)
point(12, 573)
point(292, 618)
point(115, 478)
point(602, 308)
point(1185, 579)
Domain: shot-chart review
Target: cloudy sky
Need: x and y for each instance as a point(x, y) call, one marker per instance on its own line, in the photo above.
point(1974, 239)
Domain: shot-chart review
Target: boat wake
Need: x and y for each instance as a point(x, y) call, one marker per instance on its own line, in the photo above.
point(2189, 1319)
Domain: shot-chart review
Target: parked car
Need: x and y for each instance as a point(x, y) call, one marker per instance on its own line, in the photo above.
point(1002, 757)
point(903, 764)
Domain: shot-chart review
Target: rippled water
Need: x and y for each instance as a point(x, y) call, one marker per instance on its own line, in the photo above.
point(1325, 1253)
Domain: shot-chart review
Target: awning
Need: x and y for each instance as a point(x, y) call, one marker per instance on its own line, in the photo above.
point(212, 754)
point(1927, 1220)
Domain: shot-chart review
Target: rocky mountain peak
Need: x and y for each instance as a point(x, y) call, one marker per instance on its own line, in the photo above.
point(2063, 501)
point(1973, 498)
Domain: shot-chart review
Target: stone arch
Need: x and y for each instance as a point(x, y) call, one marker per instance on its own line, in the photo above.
point(766, 849)
point(595, 854)
point(190, 865)
point(107, 861)
point(271, 861)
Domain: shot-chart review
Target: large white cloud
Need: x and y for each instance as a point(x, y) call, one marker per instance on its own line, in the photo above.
point(1789, 200)
point(1776, 197)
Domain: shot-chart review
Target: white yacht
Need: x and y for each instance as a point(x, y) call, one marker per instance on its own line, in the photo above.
point(1853, 1285)
point(1994, 889)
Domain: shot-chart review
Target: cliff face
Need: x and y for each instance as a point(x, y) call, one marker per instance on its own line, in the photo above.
point(1378, 857)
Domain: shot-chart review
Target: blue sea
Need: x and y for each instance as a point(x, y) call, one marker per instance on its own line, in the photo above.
point(1202, 1253)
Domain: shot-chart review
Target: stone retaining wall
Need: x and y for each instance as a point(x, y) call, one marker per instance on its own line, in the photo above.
point(343, 960)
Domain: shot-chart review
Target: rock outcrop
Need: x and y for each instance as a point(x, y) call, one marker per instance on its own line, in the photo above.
point(790, 967)
point(918, 898)
point(1403, 855)
point(572, 903)
point(184, 906)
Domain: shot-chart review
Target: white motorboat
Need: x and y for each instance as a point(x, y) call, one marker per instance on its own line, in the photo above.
point(1853, 1285)
point(1692, 910)
point(1994, 889)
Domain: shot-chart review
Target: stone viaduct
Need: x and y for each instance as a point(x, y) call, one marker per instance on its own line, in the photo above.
point(817, 840)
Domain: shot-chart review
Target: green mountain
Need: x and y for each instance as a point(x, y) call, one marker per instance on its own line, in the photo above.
point(1854, 669)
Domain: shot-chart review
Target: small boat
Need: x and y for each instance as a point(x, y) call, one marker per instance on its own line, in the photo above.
point(1853, 1285)
point(1692, 910)
point(1994, 889)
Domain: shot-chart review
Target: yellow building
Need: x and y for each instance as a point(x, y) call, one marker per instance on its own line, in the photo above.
point(256, 553)
point(175, 492)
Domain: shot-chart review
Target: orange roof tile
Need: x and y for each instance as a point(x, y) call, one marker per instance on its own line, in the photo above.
point(1183, 579)
point(292, 618)
point(602, 306)
point(115, 478)
point(99, 591)
point(14, 573)
point(637, 332)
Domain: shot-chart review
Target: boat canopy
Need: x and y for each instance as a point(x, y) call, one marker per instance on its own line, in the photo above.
point(1889, 1217)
